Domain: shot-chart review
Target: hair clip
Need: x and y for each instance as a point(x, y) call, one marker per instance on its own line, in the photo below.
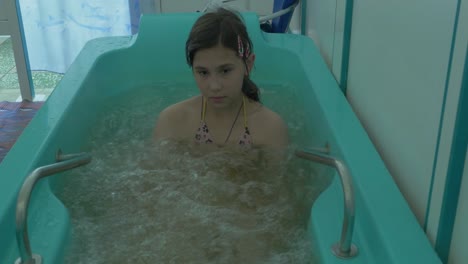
point(240, 46)
point(247, 50)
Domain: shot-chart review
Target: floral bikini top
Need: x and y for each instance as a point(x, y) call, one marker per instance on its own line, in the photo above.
point(203, 135)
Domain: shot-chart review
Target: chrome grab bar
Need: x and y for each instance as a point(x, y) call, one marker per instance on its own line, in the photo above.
point(344, 248)
point(65, 162)
point(279, 13)
point(217, 3)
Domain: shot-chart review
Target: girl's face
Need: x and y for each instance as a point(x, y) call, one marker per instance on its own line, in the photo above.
point(219, 73)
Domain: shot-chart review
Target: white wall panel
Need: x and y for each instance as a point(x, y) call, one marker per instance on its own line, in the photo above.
point(398, 68)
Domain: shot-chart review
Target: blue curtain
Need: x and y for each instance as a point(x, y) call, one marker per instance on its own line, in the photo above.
point(56, 30)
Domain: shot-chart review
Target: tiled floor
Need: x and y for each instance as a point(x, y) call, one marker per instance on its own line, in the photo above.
point(44, 82)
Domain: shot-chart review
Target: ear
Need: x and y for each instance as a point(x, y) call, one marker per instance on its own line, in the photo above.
point(250, 63)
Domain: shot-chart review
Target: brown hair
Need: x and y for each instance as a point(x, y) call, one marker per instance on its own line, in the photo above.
point(225, 27)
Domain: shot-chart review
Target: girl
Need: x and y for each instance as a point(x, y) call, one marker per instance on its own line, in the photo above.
point(228, 111)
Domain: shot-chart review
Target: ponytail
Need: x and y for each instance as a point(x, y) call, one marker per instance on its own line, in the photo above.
point(250, 89)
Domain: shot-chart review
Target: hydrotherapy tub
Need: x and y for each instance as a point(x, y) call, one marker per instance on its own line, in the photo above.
point(385, 230)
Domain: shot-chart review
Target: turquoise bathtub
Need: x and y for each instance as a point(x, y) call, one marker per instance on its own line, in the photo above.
point(385, 229)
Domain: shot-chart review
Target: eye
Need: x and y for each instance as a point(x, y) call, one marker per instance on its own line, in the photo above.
point(226, 70)
point(202, 73)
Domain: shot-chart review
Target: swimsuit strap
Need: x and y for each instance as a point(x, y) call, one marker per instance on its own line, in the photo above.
point(233, 123)
point(203, 109)
point(245, 111)
point(204, 129)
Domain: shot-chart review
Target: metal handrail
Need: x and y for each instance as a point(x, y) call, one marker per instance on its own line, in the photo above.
point(344, 248)
point(262, 18)
point(219, 3)
point(65, 162)
point(279, 13)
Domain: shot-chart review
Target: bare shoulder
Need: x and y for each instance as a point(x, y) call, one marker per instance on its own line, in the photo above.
point(178, 110)
point(172, 121)
point(270, 118)
point(271, 128)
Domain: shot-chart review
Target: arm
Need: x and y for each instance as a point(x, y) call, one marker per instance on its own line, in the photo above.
point(167, 123)
point(281, 137)
point(275, 132)
point(162, 128)
point(271, 135)
point(165, 128)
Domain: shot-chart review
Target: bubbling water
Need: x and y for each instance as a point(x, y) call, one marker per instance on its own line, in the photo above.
point(173, 202)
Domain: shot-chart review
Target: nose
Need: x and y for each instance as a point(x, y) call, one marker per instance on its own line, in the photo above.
point(215, 84)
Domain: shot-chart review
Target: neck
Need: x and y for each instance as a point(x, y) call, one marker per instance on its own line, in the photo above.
point(225, 112)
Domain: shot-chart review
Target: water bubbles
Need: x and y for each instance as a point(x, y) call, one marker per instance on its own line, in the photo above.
point(137, 203)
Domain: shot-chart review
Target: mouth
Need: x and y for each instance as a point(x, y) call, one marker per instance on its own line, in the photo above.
point(217, 98)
